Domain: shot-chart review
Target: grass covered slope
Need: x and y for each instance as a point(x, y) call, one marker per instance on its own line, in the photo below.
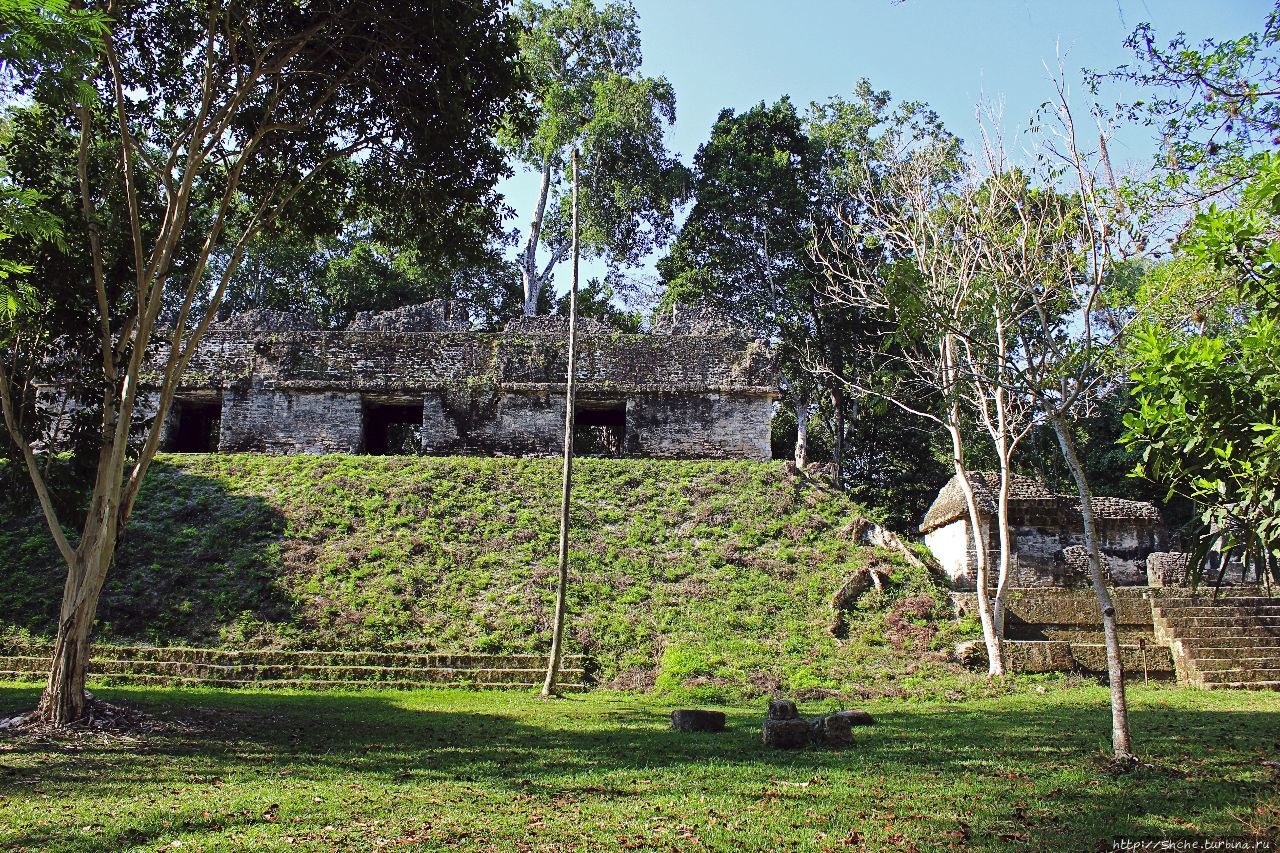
point(710, 576)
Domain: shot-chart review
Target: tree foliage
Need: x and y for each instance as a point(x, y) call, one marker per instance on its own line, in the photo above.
point(1207, 415)
point(586, 90)
point(1214, 103)
point(192, 129)
point(336, 276)
point(773, 189)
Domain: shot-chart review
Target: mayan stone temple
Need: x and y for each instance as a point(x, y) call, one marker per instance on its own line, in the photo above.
point(420, 380)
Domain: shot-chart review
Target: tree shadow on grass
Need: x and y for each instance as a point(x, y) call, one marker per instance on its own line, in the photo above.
point(194, 558)
point(1032, 772)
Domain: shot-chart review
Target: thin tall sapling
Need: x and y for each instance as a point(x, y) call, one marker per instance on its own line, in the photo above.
point(1073, 243)
point(583, 66)
point(930, 299)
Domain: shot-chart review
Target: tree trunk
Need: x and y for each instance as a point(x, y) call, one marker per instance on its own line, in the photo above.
point(1120, 743)
point(1006, 546)
point(63, 700)
point(990, 638)
point(999, 431)
point(562, 580)
point(802, 430)
point(837, 401)
point(955, 428)
point(529, 256)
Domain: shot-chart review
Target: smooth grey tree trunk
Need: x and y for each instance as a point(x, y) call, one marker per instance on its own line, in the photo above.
point(530, 278)
point(837, 401)
point(955, 426)
point(802, 431)
point(1120, 741)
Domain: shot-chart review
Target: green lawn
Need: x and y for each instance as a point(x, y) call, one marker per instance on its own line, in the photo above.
point(507, 771)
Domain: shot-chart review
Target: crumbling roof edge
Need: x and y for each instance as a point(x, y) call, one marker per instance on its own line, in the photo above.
point(950, 506)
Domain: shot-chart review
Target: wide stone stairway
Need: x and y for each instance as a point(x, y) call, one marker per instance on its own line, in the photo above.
point(298, 669)
point(1232, 640)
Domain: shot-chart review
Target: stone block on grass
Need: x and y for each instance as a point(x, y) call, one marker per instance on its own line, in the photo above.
point(694, 720)
point(785, 734)
point(972, 654)
point(783, 709)
point(856, 717)
point(832, 730)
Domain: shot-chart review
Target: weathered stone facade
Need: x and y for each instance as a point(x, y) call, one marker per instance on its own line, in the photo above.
point(411, 381)
point(1047, 532)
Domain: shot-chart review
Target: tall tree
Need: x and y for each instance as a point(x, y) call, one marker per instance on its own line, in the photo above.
point(1071, 246)
point(766, 182)
point(556, 655)
point(583, 64)
point(215, 122)
point(744, 246)
point(935, 304)
point(362, 268)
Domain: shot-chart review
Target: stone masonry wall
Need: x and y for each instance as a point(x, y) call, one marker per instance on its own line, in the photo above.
point(1041, 542)
point(309, 392)
point(287, 422)
point(714, 425)
point(413, 362)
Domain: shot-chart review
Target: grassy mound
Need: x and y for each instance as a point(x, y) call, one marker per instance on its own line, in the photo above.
point(711, 578)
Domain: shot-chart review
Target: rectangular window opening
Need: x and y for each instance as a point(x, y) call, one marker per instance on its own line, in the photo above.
point(599, 428)
point(196, 426)
point(393, 429)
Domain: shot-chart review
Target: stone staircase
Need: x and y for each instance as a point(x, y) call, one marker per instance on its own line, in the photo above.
point(1232, 640)
point(299, 669)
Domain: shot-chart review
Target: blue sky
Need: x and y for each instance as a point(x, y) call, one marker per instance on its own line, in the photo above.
point(948, 53)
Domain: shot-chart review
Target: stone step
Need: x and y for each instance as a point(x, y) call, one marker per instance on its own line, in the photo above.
point(186, 672)
point(275, 657)
point(1218, 610)
point(287, 684)
point(1220, 601)
point(1271, 623)
point(1202, 632)
point(1206, 663)
point(261, 671)
point(1207, 645)
point(1220, 676)
point(1077, 635)
point(1249, 685)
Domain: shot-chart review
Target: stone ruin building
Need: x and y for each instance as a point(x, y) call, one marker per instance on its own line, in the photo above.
point(1047, 535)
point(420, 380)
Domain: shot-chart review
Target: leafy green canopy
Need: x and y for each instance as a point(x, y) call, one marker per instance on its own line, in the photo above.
point(586, 90)
point(775, 188)
point(362, 268)
point(1207, 421)
point(295, 114)
point(50, 39)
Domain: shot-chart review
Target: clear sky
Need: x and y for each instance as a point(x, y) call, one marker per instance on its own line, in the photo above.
point(948, 53)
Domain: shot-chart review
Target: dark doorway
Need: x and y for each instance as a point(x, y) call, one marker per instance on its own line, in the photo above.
point(599, 428)
point(196, 424)
point(393, 429)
